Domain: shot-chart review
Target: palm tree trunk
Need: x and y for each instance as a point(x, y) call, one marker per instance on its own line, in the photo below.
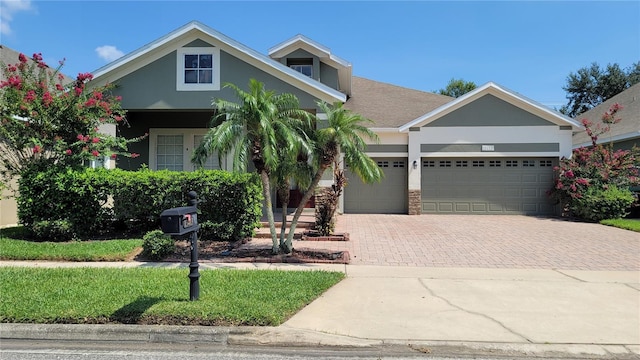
point(283, 196)
point(266, 191)
point(307, 195)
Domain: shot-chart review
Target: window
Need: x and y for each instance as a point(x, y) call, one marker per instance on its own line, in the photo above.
point(383, 164)
point(528, 163)
point(303, 66)
point(445, 163)
point(495, 163)
point(462, 163)
point(171, 149)
point(169, 153)
point(545, 163)
point(304, 69)
point(398, 164)
point(428, 163)
point(512, 163)
point(478, 163)
point(198, 69)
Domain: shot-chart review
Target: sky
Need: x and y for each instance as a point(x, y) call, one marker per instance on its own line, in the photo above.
point(529, 47)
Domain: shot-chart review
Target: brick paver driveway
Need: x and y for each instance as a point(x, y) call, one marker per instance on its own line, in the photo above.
point(489, 241)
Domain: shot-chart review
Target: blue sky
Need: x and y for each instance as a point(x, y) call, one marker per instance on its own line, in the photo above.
point(528, 47)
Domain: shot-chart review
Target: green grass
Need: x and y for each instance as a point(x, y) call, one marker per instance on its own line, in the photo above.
point(627, 224)
point(12, 247)
point(157, 296)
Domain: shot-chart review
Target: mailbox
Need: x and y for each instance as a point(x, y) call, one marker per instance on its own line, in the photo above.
point(179, 221)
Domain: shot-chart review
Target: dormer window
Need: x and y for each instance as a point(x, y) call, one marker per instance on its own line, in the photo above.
point(198, 69)
point(303, 66)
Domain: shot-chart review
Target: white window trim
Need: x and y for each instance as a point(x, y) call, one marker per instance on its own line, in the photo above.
point(188, 136)
point(180, 84)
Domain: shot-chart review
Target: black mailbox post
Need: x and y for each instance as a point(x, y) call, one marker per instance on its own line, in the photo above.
point(181, 221)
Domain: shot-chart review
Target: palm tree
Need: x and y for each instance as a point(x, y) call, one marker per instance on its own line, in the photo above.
point(344, 133)
point(254, 128)
point(292, 166)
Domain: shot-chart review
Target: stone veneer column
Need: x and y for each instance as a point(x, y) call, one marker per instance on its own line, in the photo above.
point(415, 202)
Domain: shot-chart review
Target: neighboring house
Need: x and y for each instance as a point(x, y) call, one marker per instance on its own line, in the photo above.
point(624, 135)
point(491, 151)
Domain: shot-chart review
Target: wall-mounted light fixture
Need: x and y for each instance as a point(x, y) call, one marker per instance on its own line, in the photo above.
point(415, 164)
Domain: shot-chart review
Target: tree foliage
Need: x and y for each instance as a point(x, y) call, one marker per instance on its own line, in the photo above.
point(597, 174)
point(457, 87)
point(259, 127)
point(47, 119)
point(343, 133)
point(590, 86)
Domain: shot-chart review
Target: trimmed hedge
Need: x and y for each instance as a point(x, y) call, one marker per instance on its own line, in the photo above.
point(95, 200)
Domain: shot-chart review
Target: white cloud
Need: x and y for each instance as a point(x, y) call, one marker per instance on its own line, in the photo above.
point(7, 9)
point(109, 52)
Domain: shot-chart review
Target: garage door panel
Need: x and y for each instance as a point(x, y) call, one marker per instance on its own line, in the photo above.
point(388, 196)
point(506, 185)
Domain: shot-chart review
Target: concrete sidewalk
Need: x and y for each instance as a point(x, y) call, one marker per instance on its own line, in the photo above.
point(591, 313)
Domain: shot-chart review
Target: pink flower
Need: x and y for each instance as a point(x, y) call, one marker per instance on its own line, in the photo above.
point(95, 153)
point(134, 155)
point(22, 58)
point(68, 152)
point(118, 118)
point(37, 149)
point(59, 87)
point(78, 91)
point(95, 140)
point(118, 98)
point(97, 95)
point(569, 174)
point(113, 156)
point(30, 96)
point(47, 99)
point(90, 103)
point(82, 77)
point(80, 137)
point(37, 56)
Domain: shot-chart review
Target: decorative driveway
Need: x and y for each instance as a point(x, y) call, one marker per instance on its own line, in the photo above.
point(483, 241)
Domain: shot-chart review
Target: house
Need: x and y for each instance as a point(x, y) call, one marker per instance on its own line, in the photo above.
point(624, 135)
point(491, 151)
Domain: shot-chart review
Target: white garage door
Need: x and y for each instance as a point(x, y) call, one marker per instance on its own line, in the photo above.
point(387, 197)
point(487, 185)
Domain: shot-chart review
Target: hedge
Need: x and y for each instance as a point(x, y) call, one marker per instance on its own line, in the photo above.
point(96, 200)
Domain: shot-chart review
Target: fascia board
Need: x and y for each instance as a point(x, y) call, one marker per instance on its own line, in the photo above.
point(606, 139)
point(503, 94)
point(265, 63)
point(385, 130)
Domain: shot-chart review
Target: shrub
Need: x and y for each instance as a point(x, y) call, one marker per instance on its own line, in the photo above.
point(597, 204)
point(53, 230)
point(596, 177)
point(157, 245)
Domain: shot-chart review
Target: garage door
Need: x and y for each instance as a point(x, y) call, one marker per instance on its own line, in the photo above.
point(487, 185)
point(386, 197)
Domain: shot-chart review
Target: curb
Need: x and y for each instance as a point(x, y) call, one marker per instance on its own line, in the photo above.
point(285, 337)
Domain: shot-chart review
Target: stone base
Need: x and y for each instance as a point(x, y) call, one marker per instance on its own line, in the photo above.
point(415, 202)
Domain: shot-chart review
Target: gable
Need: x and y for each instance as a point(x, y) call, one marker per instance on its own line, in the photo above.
point(153, 86)
point(489, 110)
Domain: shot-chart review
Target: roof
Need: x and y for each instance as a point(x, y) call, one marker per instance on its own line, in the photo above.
point(171, 41)
point(627, 128)
point(390, 106)
point(502, 93)
point(322, 52)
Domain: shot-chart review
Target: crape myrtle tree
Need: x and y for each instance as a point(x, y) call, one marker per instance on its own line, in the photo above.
point(594, 183)
point(343, 133)
point(260, 127)
point(48, 119)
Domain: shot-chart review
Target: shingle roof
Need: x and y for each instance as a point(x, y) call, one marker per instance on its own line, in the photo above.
point(390, 106)
point(627, 128)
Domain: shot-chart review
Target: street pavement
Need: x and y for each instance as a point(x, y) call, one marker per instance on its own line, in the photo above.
point(585, 308)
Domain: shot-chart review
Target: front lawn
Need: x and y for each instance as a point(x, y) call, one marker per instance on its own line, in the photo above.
point(12, 247)
point(157, 296)
point(627, 224)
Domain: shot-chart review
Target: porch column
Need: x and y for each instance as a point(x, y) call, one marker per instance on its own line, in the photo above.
point(414, 168)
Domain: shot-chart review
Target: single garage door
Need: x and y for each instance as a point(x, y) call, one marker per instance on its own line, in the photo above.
point(487, 185)
point(386, 197)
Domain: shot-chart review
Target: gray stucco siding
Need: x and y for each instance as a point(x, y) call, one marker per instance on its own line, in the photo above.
point(489, 111)
point(514, 147)
point(329, 76)
point(626, 145)
point(153, 87)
